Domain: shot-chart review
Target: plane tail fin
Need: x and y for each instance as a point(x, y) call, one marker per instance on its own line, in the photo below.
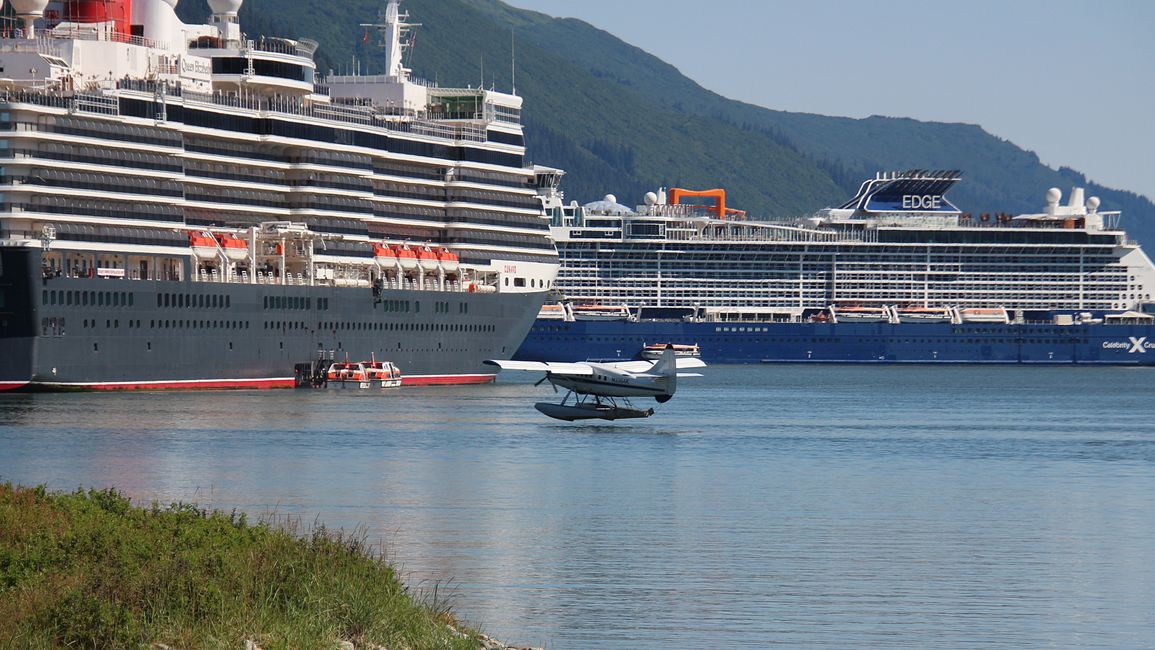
point(667, 364)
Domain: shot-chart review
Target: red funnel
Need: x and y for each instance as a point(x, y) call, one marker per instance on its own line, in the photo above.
point(100, 11)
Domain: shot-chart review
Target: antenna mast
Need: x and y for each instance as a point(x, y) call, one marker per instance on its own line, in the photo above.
point(393, 30)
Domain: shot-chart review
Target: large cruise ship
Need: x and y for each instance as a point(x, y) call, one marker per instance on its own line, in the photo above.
point(896, 274)
point(186, 206)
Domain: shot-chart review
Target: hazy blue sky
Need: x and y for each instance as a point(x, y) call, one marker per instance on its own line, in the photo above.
point(1072, 81)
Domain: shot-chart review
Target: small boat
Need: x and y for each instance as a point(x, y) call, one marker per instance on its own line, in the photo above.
point(654, 350)
point(406, 256)
point(427, 258)
point(861, 314)
point(343, 374)
point(382, 374)
point(600, 312)
point(984, 315)
point(363, 374)
point(203, 245)
point(923, 314)
point(384, 256)
point(235, 248)
point(448, 259)
point(552, 311)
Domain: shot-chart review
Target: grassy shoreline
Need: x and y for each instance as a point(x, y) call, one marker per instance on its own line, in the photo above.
point(89, 569)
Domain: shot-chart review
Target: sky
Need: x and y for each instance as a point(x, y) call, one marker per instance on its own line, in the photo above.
point(1073, 81)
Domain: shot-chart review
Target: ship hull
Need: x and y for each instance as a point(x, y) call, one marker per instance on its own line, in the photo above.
point(777, 342)
point(60, 333)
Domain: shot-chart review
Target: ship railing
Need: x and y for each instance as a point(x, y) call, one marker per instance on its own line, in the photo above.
point(304, 47)
point(50, 99)
point(781, 233)
point(391, 119)
point(340, 79)
point(43, 45)
point(49, 43)
point(367, 116)
point(150, 86)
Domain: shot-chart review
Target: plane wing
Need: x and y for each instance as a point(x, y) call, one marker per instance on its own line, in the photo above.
point(545, 366)
point(644, 366)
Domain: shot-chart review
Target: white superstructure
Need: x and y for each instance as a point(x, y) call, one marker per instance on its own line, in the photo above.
point(897, 245)
point(134, 143)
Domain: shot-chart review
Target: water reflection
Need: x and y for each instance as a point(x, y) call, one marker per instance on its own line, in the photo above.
point(764, 505)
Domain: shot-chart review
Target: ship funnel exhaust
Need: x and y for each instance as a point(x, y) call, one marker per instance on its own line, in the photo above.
point(119, 12)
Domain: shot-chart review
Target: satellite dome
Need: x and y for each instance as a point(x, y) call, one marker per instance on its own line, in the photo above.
point(608, 205)
point(28, 7)
point(225, 6)
point(1053, 195)
point(1093, 203)
point(651, 198)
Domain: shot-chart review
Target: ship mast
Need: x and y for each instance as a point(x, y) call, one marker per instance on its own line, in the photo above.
point(394, 35)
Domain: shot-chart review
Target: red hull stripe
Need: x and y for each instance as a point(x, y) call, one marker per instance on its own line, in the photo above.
point(217, 384)
point(190, 384)
point(445, 380)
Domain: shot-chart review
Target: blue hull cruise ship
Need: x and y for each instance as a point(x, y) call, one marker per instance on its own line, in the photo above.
point(895, 275)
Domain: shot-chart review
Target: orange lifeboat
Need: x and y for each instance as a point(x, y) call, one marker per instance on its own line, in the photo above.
point(448, 260)
point(341, 372)
point(235, 248)
point(427, 258)
point(203, 245)
point(405, 256)
point(384, 255)
point(383, 372)
point(337, 371)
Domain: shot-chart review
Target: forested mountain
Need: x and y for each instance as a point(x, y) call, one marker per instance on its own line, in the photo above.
point(621, 121)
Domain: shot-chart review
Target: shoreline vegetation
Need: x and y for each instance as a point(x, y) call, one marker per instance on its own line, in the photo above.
point(88, 569)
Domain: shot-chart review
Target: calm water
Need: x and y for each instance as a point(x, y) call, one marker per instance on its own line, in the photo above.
point(774, 505)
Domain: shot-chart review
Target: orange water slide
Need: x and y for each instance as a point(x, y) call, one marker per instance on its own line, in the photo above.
point(676, 194)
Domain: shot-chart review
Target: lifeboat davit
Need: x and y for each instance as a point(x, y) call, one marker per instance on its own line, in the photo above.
point(405, 256)
point(203, 245)
point(427, 258)
point(448, 260)
point(236, 249)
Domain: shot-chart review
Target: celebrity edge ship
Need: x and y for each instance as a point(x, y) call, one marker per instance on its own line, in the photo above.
point(182, 206)
point(896, 274)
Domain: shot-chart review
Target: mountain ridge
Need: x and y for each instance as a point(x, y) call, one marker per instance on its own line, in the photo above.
point(622, 121)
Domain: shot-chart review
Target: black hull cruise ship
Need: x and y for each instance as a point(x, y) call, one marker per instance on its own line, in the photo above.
point(182, 206)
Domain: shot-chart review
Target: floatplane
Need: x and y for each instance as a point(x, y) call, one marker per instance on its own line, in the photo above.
point(601, 391)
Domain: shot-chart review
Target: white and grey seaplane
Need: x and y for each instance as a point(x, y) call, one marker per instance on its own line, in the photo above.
point(601, 391)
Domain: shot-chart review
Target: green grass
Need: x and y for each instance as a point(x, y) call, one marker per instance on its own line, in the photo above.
point(88, 569)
